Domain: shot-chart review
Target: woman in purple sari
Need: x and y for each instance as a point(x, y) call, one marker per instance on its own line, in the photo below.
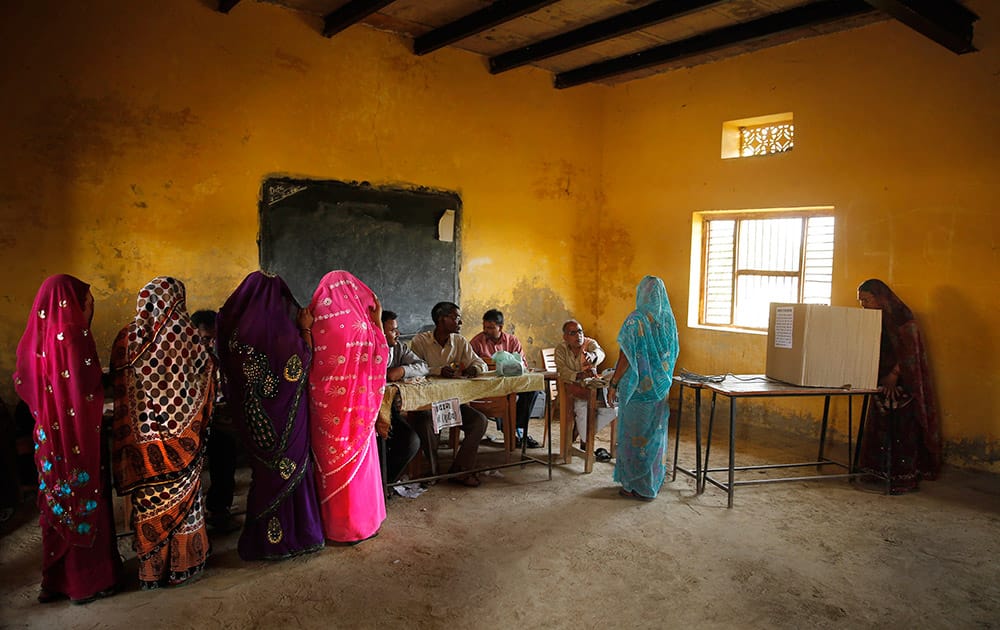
point(265, 363)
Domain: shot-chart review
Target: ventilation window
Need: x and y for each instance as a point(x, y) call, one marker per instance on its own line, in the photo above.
point(763, 135)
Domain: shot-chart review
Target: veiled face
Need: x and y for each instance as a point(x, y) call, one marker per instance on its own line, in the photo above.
point(651, 297)
point(88, 308)
point(868, 300)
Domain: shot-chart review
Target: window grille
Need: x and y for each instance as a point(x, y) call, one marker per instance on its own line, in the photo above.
point(766, 139)
point(754, 259)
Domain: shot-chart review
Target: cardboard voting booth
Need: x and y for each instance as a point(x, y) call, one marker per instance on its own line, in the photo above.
point(823, 346)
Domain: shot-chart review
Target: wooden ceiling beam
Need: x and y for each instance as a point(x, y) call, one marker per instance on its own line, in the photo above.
point(599, 31)
point(945, 21)
point(225, 6)
point(497, 13)
point(349, 14)
point(800, 17)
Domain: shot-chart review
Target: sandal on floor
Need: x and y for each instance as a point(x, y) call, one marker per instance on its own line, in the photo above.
point(469, 481)
point(602, 455)
point(633, 495)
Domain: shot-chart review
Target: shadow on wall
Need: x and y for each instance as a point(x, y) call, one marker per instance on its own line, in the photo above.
point(950, 305)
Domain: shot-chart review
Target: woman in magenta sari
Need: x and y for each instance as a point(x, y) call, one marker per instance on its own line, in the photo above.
point(905, 402)
point(265, 361)
point(346, 383)
point(58, 374)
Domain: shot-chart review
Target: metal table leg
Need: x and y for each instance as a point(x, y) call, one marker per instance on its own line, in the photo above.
point(732, 449)
point(822, 431)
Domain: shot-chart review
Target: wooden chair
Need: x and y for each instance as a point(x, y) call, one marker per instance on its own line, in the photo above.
point(549, 361)
point(416, 465)
point(499, 407)
point(567, 421)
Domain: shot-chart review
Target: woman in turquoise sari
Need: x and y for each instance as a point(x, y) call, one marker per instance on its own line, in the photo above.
point(648, 351)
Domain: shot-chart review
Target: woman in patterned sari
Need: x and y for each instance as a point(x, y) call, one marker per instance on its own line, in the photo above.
point(346, 383)
point(163, 401)
point(265, 363)
point(58, 375)
point(642, 378)
point(905, 398)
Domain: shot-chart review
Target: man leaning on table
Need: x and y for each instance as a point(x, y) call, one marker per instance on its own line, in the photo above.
point(493, 339)
point(401, 441)
point(577, 358)
point(449, 355)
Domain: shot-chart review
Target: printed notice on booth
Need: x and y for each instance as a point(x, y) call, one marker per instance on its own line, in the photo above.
point(445, 413)
point(783, 318)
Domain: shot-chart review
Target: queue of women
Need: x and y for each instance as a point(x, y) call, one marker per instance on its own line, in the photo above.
point(305, 386)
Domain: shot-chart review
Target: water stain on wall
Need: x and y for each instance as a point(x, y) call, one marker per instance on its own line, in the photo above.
point(533, 313)
point(614, 272)
point(555, 180)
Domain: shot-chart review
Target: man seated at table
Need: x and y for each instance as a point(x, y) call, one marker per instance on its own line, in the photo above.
point(401, 441)
point(577, 358)
point(449, 355)
point(492, 340)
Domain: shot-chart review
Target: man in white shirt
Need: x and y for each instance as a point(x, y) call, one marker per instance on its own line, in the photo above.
point(449, 355)
point(577, 359)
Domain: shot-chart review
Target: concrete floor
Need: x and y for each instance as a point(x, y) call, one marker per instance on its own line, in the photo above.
point(571, 553)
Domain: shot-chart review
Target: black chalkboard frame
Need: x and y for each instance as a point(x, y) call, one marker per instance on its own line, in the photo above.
point(385, 235)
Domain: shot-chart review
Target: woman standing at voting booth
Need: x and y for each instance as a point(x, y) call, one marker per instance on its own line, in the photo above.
point(902, 417)
point(648, 350)
point(346, 383)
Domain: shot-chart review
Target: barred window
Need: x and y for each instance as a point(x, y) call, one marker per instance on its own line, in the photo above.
point(766, 139)
point(754, 258)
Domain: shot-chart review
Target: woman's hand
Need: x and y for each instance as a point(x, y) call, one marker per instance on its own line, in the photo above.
point(612, 395)
point(375, 312)
point(888, 383)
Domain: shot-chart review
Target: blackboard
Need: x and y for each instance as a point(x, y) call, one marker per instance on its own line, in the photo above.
point(386, 236)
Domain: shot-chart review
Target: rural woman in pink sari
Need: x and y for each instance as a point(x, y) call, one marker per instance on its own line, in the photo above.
point(346, 383)
point(58, 375)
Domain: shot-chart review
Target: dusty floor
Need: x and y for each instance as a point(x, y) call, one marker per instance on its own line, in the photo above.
point(570, 553)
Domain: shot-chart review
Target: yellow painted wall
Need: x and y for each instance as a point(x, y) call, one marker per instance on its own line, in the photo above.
point(137, 135)
point(898, 134)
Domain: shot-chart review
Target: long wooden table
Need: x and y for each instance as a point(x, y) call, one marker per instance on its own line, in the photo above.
point(736, 387)
point(420, 395)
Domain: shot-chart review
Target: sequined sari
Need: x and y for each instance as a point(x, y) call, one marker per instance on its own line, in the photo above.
point(265, 363)
point(163, 402)
point(58, 375)
point(648, 339)
point(346, 383)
